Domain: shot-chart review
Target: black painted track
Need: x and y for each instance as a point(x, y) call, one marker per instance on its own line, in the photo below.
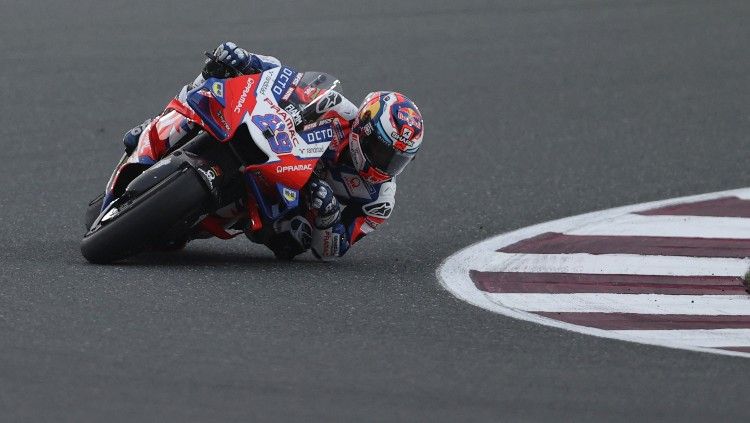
point(535, 110)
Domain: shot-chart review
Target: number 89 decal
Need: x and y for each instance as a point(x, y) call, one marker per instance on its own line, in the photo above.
point(278, 140)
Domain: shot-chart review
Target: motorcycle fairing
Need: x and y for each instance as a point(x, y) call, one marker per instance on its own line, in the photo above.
point(291, 159)
point(221, 106)
point(153, 142)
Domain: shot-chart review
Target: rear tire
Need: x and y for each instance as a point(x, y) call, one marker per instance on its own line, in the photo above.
point(177, 200)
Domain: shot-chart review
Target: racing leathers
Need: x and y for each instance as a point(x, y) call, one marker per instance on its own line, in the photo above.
point(337, 207)
point(340, 207)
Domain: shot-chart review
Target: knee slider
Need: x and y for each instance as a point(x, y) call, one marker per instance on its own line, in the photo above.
point(301, 231)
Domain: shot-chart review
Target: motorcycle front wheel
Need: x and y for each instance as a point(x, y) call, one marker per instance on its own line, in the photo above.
point(129, 226)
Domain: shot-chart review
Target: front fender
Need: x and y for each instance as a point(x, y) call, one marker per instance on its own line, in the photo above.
point(210, 174)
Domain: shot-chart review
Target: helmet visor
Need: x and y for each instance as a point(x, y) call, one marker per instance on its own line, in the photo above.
point(383, 156)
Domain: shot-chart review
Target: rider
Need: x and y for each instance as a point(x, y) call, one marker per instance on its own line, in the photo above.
point(353, 188)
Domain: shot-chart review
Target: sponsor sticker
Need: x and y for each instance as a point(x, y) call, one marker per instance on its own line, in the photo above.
point(287, 94)
point(218, 89)
point(328, 102)
point(243, 96)
point(316, 150)
point(373, 224)
point(410, 117)
point(338, 131)
point(264, 85)
point(294, 168)
point(285, 116)
point(283, 82)
point(210, 175)
point(323, 133)
point(294, 111)
point(289, 194)
point(353, 182)
point(223, 120)
point(378, 210)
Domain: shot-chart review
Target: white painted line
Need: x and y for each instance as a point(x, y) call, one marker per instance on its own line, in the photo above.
point(669, 226)
point(703, 305)
point(629, 264)
point(694, 337)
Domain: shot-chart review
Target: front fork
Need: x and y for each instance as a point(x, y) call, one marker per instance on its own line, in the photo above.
point(211, 160)
point(109, 194)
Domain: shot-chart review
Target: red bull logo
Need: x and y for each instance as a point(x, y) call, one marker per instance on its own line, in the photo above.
point(408, 126)
point(410, 117)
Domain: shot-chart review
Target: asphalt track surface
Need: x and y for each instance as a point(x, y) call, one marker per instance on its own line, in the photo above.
point(535, 110)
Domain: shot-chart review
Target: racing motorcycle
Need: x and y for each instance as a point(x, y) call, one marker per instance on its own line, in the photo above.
point(254, 144)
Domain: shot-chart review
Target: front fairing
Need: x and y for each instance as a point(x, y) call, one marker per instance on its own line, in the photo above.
point(269, 105)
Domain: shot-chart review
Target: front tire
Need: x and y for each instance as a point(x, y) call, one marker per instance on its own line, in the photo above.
point(178, 200)
point(92, 212)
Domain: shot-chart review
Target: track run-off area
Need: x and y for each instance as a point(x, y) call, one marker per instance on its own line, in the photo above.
point(666, 273)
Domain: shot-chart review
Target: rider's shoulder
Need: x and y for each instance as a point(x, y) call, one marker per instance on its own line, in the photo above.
point(337, 102)
point(383, 202)
point(351, 109)
point(387, 188)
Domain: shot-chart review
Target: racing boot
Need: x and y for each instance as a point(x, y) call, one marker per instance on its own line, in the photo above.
point(131, 137)
point(293, 237)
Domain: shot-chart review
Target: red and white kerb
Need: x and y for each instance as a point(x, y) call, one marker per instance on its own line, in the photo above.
point(666, 273)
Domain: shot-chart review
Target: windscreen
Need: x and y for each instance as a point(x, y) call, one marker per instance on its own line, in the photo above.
point(314, 84)
point(312, 96)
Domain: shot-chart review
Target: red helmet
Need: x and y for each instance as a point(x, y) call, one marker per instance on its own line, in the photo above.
point(385, 136)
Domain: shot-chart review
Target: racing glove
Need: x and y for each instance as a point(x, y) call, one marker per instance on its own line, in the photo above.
point(324, 207)
point(229, 60)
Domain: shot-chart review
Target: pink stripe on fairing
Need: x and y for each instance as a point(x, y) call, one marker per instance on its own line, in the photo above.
point(566, 283)
point(557, 243)
point(633, 321)
point(720, 207)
